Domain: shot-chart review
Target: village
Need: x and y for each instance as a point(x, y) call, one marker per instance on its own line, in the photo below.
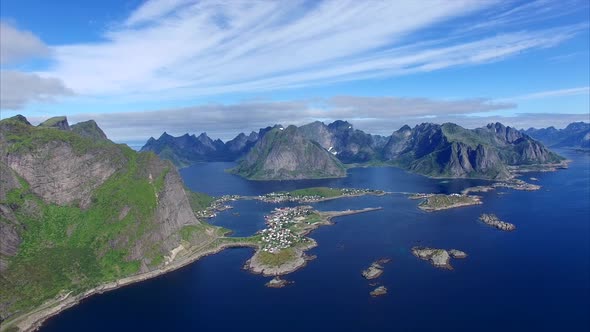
point(217, 205)
point(316, 195)
point(280, 233)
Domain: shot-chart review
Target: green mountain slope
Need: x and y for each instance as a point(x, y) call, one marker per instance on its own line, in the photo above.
point(76, 212)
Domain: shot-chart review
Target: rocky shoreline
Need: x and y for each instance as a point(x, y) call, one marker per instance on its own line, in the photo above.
point(494, 221)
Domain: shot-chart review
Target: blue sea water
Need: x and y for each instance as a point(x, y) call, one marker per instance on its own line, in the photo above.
point(536, 278)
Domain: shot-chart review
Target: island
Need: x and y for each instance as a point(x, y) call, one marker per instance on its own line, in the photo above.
point(277, 282)
point(515, 184)
point(316, 194)
point(438, 257)
point(281, 246)
point(437, 202)
point(494, 221)
point(375, 270)
point(379, 291)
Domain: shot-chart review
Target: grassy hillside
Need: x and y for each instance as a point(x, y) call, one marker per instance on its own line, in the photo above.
point(70, 249)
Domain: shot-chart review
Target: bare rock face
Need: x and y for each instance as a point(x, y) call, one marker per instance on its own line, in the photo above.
point(285, 154)
point(59, 175)
point(172, 213)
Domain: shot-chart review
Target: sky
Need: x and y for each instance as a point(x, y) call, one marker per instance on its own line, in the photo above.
point(140, 68)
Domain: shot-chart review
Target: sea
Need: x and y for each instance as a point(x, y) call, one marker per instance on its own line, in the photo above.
point(536, 278)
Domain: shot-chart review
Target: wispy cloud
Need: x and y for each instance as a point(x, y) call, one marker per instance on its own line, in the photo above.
point(170, 50)
point(584, 90)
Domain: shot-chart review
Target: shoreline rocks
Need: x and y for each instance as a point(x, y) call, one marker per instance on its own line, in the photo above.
point(494, 221)
point(277, 282)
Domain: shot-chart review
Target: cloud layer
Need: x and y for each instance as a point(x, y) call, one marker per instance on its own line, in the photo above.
point(174, 50)
point(18, 45)
point(379, 115)
point(18, 88)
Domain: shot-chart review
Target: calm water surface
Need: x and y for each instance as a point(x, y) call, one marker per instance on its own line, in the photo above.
point(535, 279)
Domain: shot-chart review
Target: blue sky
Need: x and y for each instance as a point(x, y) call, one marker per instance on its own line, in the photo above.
point(143, 67)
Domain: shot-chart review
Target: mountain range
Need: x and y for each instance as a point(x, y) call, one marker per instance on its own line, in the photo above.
point(317, 150)
point(576, 136)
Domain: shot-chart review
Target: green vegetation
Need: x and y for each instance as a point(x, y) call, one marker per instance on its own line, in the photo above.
point(23, 138)
point(324, 192)
point(68, 249)
point(278, 258)
point(52, 121)
point(441, 202)
point(199, 201)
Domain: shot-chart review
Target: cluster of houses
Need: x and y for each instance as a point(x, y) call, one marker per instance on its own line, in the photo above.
point(281, 197)
point(278, 235)
point(217, 205)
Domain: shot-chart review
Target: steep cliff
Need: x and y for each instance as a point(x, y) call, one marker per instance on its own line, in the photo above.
point(285, 154)
point(349, 145)
point(76, 212)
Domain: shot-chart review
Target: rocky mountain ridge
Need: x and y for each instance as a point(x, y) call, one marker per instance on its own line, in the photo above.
point(446, 150)
point(576, 136)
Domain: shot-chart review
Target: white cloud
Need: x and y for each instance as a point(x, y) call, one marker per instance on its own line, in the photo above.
point(17, 45)
point(585, 90)
point(18, 88)
point(177, 49)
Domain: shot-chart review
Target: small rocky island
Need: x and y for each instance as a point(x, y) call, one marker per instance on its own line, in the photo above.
point(375, 270)
point(494, 221)
point(436, 202)
point(277, 282)
point(379, 291)
point(438, 257)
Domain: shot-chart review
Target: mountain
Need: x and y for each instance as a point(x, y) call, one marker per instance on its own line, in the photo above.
point(286, 154)
point(58, 122)
point(446, 150)
point(347, 144)
point(241, 144)
point(449, 150)
point(576, 135)
point(77, 212)
point(88, 129)
point(187, 149)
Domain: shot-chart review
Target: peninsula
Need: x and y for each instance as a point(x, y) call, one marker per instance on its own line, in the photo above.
point(281, 246)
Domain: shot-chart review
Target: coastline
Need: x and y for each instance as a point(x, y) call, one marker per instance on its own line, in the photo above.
point(33, 320)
